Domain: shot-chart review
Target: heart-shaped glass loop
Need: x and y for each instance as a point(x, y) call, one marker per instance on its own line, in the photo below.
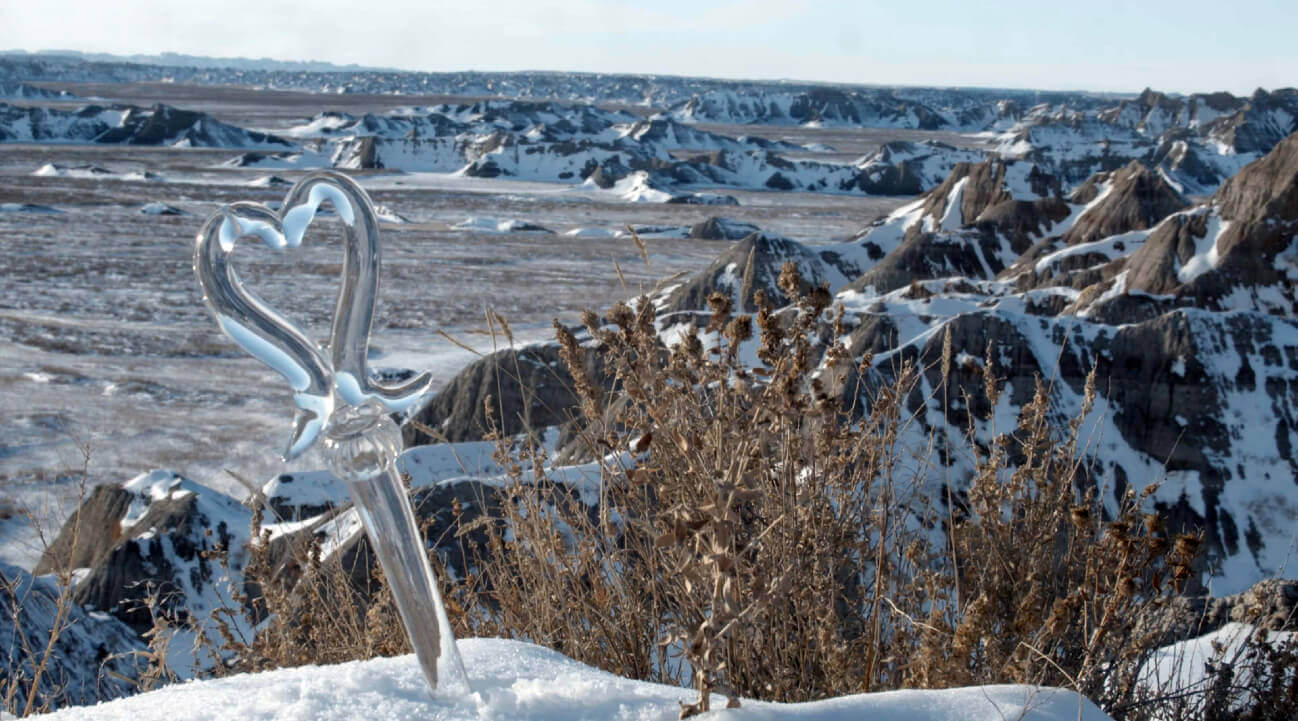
point(320, 382)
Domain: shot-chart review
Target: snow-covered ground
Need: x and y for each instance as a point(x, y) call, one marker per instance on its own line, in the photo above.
point(514, 681)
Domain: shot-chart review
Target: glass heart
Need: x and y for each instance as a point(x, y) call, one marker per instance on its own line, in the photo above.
point(320, 383)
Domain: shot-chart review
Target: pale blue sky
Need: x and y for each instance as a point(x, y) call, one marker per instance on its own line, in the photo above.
point(1192, 45)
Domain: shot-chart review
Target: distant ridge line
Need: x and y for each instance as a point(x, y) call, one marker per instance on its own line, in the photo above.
point(270, 65)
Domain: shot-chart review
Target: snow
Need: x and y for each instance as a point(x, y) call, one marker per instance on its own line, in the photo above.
point(389, 215)
point(1178, 368)
point(268, 181)
point(1205, 256)
point(203, 589)
point(517, 681)
point(322, 124)
point(1112, 247)
point(590, 233)
point(1105, 188)
point(158, 208)
point(143, 176)
point(888, 233)
point(162, 484)
point(1183, 665)
point(657, 231)
point(496, 225)
point(1286, 261)
point(54, 170)
point(1177, 185)
point(952, 217)
point(636, 188)
point(28, 208)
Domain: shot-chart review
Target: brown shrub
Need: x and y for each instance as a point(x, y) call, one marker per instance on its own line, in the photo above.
point(760, 532)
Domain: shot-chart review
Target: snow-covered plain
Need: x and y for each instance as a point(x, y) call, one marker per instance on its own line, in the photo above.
point(514, 681)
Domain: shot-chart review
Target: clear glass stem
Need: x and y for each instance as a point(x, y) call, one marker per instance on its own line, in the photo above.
point(362, 444)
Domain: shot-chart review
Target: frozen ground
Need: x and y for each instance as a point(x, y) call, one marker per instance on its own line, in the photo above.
point(109, 364)
point(522, 682)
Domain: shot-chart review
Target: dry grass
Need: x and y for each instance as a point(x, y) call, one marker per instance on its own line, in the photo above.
point(306, 608)
point(763, 531)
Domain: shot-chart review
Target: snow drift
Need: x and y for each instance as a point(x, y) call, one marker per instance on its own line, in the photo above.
point(522, 682)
